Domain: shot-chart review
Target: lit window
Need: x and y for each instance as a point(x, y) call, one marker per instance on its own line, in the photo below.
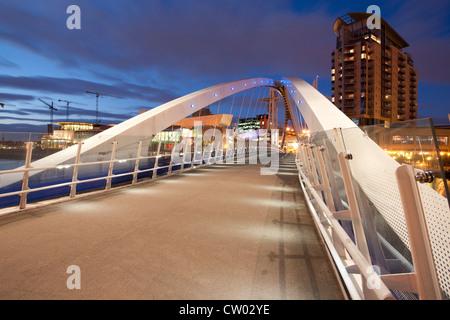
point(363, 55)
point(374, 38)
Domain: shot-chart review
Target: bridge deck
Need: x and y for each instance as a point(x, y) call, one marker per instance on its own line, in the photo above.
point(219, 232)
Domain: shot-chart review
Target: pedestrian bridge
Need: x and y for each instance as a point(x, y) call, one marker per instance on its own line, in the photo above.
point(217, 213)
point(235, 235)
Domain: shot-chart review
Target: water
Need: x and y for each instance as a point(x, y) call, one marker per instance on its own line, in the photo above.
point(7, 164)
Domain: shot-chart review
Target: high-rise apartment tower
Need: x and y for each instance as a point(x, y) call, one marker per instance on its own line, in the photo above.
point(372, 80)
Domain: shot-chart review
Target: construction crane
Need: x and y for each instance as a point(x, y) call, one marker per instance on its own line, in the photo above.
point(50, 106)
point(6, 104)
point(99, 94)
point(67, 105)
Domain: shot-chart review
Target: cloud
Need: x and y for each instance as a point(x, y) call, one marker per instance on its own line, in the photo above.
point(14, 97)
point(8, 64)
point(178, 41)
point(73, 86)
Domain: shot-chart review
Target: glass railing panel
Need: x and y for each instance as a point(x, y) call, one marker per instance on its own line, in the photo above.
point(373, 171)
point(415, 143)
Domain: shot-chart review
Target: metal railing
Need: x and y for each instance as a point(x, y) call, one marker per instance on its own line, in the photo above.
point(350, 252)
point(222, 155)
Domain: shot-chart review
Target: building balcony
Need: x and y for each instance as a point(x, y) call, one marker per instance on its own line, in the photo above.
point(402, 78)
point(401, 91)
point(402, 84)
point(401, 98)
point(387, 56)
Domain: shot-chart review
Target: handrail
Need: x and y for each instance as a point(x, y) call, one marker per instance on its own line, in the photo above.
point(220, 156)
point(381, 291)
point(422, 280)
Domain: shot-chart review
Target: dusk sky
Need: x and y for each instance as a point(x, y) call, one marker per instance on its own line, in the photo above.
point(150, 52)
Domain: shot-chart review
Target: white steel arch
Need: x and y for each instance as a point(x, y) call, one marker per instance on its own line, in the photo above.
point(145, 125)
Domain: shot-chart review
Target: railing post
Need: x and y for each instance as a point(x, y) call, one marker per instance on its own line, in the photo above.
point(185, 151)
point(136, 165)
point(26, 174)
point(169, 171)
point(324, 178)
point(303, 159)
point(194, 155)
point(355, 214)
point(73, 187)
point(155, 167)
point(111, 166)
point(358, 228)
point(314, 176)
point(423, 280)
point(339, 246)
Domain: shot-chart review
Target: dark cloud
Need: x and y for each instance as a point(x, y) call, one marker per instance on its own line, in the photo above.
point(158, 50)
point(182, 41)
point(74, 86)
point(74, 112)
point(14, 97)
point(8, 64)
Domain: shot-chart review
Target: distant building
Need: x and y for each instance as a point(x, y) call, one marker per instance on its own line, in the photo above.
point(372, 80)
point(251, 124)
point(69, 133)
point(185, 129)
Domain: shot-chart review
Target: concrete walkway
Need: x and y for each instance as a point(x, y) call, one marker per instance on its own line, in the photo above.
point(219, 232)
